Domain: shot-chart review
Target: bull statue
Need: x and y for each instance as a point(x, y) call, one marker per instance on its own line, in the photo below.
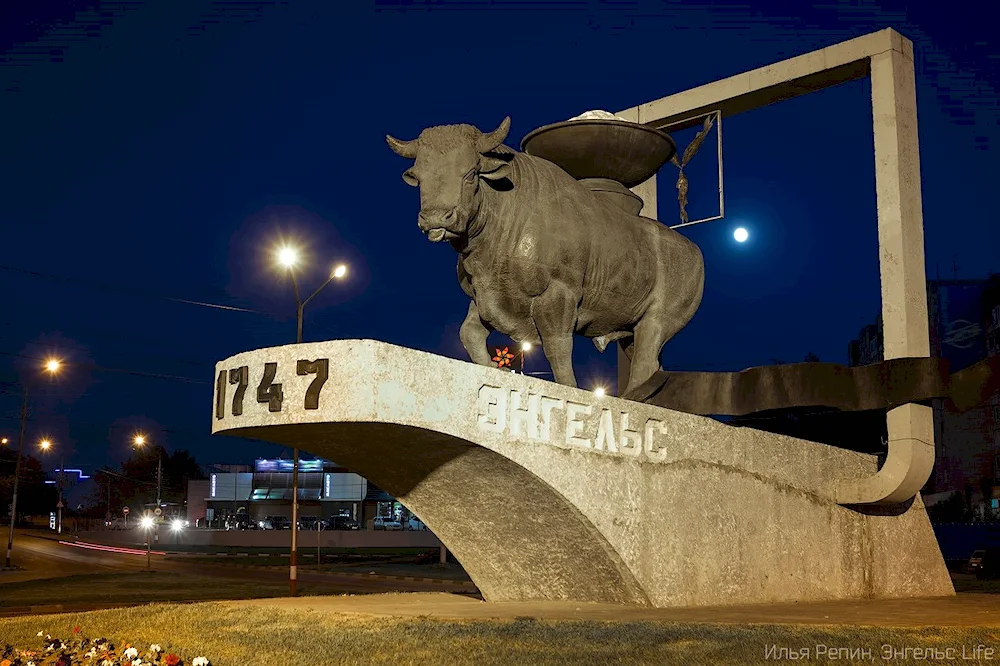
point(543, 257)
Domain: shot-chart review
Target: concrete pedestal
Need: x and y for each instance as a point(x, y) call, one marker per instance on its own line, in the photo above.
point(548, 492)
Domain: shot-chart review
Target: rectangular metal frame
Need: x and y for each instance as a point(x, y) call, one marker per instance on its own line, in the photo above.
point(686, 123)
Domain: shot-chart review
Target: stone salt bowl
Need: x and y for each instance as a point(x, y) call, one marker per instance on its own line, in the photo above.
point(618, 150)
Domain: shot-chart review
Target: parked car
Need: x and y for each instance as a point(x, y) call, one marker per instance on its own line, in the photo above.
point(309, 522)
point(240, 522)
point(383, 523)
point(342, 523)
point(275, 523)
point(975, 562)
point(989, 564)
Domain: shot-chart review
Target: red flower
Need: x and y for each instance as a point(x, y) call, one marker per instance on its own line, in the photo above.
point(76, 630)
point(172, 660)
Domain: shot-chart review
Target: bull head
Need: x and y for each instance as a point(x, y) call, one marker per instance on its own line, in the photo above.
point(449, 162)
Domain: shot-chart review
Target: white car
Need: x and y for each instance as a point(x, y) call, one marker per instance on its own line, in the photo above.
point(382, 523)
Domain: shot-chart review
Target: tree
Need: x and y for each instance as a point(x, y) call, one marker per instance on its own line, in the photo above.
point(34, 496)
point(986, 488)
point(951, 510)
point(135, 482)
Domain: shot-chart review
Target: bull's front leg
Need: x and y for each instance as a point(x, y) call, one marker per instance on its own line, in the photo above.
point(554, 315)
point(473, 333)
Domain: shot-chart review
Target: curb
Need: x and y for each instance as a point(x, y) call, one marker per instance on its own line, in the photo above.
point(418, 579)
point(15, 611)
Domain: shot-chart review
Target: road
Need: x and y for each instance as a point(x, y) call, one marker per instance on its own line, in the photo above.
point(42, 557)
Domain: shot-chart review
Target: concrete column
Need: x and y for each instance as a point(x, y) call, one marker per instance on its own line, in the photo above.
point(904, 281)
point(647, 192)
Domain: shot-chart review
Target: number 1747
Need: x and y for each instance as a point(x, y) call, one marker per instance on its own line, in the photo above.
point(269, 392)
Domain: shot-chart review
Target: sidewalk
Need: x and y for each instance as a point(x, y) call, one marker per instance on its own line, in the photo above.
point(963, 610)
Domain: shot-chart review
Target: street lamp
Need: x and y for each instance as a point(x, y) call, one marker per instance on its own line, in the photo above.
point(600, 391)
point(140, 440)
point(52, 366)
point(525, 347)
point(45, 445)
point(146, 523)
point(288, 257)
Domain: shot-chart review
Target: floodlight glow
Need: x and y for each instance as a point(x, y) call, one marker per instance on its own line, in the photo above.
point(599, 391)
point(525, 346)
point(741, 235)
point(139, 440)
point(146, 522)
point(177, 525)
point(3, 441)
point(45, 444)
point(53, 365)
point(288, 256)
point(340, 271)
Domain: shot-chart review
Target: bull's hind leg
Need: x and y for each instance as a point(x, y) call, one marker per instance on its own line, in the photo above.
point(554, 315)
point(651, 333)
point(473, 334)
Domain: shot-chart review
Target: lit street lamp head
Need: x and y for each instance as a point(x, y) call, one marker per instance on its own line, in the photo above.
point(3, 441)
point(146, 522)
point(53, 365)
point(525, 346)
point(288, 256)
point(339, 272)
point(599, 391)
point(139, 440)
point(45, 444)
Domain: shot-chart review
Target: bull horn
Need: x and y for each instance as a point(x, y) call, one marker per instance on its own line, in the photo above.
point(402, 148)
point(488, 142)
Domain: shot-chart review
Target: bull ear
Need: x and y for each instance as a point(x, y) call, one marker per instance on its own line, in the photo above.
point(494, 168)
point(488, 142)
point(409, 178)
point(402, 148)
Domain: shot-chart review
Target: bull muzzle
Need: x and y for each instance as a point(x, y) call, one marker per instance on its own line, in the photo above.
point(436, 225)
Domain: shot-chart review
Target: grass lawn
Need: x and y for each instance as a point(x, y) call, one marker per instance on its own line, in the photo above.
point(145, 587)
point(230, 635)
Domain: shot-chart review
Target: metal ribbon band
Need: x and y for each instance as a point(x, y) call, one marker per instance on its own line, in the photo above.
point(884, 385)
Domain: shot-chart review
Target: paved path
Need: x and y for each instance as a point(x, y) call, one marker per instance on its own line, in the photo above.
point(963, 610)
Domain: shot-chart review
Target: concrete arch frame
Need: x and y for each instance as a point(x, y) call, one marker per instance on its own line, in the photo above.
point(548, 492)
point(887, 58)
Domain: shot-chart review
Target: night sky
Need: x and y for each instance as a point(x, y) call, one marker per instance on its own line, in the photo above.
point(156, 152)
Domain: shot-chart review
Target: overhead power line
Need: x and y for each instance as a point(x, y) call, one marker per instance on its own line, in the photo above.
point(94, 366)
point(134, 292)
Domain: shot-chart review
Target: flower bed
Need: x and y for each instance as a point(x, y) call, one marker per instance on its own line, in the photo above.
point(82, 651)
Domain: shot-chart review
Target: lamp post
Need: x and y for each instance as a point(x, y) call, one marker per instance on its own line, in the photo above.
point(140, 441)
point(147, 524)
point(288, 257)
point(52, 366)
point(525, 347)
point(45, 445)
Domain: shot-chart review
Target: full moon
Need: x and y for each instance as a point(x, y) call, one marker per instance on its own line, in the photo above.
point(740, 235)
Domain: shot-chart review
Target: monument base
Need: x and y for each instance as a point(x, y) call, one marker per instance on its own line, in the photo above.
point(548, 492)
